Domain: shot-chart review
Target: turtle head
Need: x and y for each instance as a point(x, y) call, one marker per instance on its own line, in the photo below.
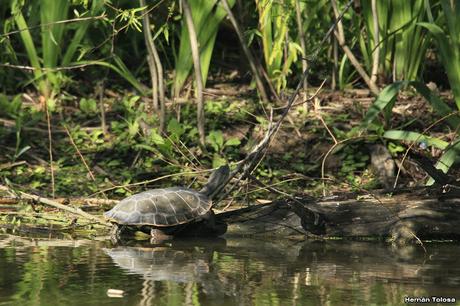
point(216, 181)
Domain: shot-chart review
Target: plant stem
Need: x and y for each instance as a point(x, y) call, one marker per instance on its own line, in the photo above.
point(197, 65)
point(50, 143)
point(339, 34)
point(302, 42)
point(251, 60)
point(376, 51)
point(150, 57)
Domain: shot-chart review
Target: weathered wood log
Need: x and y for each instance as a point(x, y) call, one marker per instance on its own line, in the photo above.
point(73, 210)
point(410, 214)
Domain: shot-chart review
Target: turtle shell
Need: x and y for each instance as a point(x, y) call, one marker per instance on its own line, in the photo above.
point(160, 207)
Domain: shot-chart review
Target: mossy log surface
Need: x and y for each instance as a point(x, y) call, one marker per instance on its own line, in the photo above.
point(410, 214)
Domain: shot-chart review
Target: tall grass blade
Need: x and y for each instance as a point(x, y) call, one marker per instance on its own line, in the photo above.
point(416, 137)
point(207, 15)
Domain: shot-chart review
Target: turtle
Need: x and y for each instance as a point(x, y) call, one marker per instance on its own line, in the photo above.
point(167, 212)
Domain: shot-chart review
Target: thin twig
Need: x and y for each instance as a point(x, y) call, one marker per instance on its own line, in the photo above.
point(258, 152)
point(317, 109)
point(150, 58)
point(339, 34)
point(376, 51)
point(323, 163)
point(73, 210)
point(194, 46)
point(12, 165)
point(50, 143)
point(150, 181)
point(248, 164)
point(79, 153)
point(253, 63)
point(303, 46)
point(55, 69)
point(416, 140)
point(39, 26)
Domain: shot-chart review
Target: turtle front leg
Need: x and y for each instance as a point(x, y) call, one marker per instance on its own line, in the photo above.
point(214, 227)
point(115, 233)
point(158, 235)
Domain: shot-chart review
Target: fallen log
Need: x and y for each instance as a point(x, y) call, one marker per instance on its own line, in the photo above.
point(407, 215)
point(73, 210)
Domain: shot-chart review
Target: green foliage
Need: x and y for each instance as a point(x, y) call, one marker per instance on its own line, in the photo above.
point(45, 57)
point(448, 43)
point(88, 106)
point(206, 15)
point(346, 73)
point(352, 160)
point(402, 43)
point(280, 51)
point(386, 101)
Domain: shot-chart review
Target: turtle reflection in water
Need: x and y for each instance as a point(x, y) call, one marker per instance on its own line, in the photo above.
point(172, 211)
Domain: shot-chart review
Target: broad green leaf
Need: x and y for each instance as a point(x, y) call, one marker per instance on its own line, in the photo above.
point(156, 138)
point(388, 96)
point(385, 99)
point(175, 129)
point(216, 140)
point(88, 106)
point(233, 142)
point(206, 15)
point(218, 161)
point(447, 159)
point(416, 137)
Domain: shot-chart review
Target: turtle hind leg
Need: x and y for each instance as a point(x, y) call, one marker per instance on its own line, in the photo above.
point(158, 235)
point(213, 227)
point(115, 233)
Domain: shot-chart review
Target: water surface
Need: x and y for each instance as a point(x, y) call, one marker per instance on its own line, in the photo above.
point(224, 272)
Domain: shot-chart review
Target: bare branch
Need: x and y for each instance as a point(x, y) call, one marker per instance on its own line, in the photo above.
point(376, 51)
point(197, 65)
point(339, 34)
point(253, 63)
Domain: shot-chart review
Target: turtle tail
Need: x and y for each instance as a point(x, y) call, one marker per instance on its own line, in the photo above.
point(216, 182)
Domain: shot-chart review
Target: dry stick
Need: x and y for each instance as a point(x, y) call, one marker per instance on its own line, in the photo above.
point(72, 210)
point(50, 143)
point(197, 65)
point(304, 48)
point(153, 55)
point(12, 200)
point(150, 57)
point(100, 89)
point(339, 34)
point(190, 152)
point(161, 90)
point(252, 62)
point(416, 140)
point(323, 163)
point(47, 69)
point(149, 181)
point(180, 151)
point(248, 164)
point(79, 154)
point(12, 165)
point(39, 26)
point(317, 109)
point(335, 56)
point(376, 52)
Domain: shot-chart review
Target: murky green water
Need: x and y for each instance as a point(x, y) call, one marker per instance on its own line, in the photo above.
point(224, 272)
